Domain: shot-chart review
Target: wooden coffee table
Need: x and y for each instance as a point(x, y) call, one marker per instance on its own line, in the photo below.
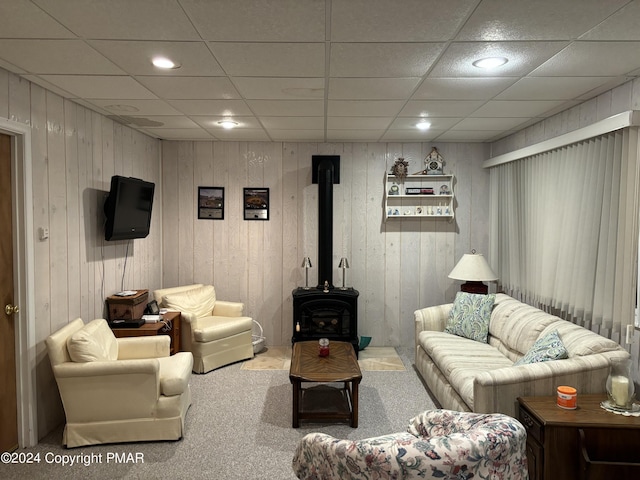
point(324, 402)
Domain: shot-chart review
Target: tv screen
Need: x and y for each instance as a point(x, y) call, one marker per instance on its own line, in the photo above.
point(128, 208)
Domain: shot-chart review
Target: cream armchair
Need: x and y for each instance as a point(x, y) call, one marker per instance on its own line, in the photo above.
point(118, 389)
point(215, 331)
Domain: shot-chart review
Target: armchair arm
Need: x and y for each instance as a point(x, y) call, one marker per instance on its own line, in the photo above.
point(156, 346)
point(431, 318)
point(104, 391)
point(224, 308)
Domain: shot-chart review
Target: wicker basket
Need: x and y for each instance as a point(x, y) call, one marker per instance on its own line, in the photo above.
point(258, 340)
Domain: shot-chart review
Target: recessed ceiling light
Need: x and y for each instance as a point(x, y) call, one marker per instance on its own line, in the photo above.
point(228, 124)
point(490, 62)
point(423, 125)
point(163, 62)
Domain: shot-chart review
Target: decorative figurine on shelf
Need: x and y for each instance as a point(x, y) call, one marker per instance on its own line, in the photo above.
point(394, 190)
point(399, 168)
point(444, 190)
point(433, 163)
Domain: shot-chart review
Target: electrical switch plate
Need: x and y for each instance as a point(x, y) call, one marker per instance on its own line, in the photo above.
point(44, 233)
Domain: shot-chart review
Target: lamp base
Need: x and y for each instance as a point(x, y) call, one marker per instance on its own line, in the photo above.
point(474, 287)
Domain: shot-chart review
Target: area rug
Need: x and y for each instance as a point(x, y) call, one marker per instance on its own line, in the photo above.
point(371, 359)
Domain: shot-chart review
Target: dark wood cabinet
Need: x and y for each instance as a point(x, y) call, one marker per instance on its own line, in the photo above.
point(579, 444)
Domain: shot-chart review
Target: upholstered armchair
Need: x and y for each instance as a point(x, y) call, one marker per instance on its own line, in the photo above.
point(215, 331)
point(118, 389)
point(437, 444)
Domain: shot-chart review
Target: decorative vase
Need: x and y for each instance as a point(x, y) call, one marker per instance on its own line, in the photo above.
point(323, 347)
point(620, 388)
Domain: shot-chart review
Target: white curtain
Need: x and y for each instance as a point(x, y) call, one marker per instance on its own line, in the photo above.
point(564, 230)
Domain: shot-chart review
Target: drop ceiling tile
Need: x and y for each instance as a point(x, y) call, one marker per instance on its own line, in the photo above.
point(551, 88)
point(458, 58)
point(240, 134)
point(56, 57)
point(49, 86)
point(256, 88)
point(383, 59)
point(162, 121)
point(622, 25)
point(135, 107)
point(211, 107)
point(384, 21)
point(291, 123)
point(135, 57)
point(182, 88)
point(440, 108)
point(287, 108)
point(461, 88)
point(507, 123)
point(515, 108)
point(96, 86)
point(371, 88)
point(180, 133)
point(468, 135)
point(344, 135)
point(297, 135)
point(26, 20)
point(265, 20)
point(613, 58)
point(359, 123)
point(271, 59)
point(410, 135)
point(437, 123)
point(364, 108)
point(122, 19)
point(540, 20)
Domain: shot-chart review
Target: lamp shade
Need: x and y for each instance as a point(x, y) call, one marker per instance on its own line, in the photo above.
point(306, 262)
point(473, 267)
point(344, 263)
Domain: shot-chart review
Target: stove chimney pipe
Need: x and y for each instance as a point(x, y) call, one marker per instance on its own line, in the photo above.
point(326, 173)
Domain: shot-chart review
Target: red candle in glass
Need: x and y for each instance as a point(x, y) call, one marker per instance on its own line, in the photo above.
point(323, 347)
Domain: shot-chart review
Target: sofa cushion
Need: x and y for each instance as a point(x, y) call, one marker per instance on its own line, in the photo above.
point(197, 301)
point(469, 317)
point(547, 347)
point(580, 341)
point(208, 329)
point(95, 342)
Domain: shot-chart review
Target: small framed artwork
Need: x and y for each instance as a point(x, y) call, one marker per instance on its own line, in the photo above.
point(256, 204)
point(211, 203)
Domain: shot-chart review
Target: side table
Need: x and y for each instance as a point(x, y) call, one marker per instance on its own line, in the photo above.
point(170, 326)
point(579, 444)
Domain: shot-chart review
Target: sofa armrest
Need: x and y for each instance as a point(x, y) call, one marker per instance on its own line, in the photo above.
point(498, 390)
point(431, 318)
point(131, 348)
point(104, 391)
point(228, 309)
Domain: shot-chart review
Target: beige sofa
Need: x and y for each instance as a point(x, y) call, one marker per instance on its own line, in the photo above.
point(468, 375)
point(118, 389)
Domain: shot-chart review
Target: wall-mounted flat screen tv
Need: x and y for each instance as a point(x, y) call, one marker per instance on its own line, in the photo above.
point(128, 208)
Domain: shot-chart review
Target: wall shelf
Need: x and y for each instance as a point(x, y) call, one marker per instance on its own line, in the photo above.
point(439, 204)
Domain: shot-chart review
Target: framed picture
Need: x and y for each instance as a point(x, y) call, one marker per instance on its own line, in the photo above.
point(211, 203)
point(256, 204)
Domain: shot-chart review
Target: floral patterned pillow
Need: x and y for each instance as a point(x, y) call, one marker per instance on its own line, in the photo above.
point(469, 317)
point(549, 347)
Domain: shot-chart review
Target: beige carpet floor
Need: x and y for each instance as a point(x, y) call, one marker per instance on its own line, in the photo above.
point(371, 359)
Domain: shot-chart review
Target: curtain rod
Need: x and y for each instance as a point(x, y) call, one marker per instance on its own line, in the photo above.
point(611, 124)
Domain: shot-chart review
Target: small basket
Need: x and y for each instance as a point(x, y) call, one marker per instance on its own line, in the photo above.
point(258, 340)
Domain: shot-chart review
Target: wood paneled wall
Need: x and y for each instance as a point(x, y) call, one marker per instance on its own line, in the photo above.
point(75, 152)
point(397, 266)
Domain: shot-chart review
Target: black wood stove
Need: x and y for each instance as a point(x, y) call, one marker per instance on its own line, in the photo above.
point(325, 311)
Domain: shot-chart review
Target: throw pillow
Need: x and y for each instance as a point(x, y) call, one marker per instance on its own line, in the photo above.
point(197, 301)
point(469, 317)
point(549, 347)
point(95, 342)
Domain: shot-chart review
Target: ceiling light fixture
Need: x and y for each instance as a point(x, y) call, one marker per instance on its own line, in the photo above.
point(165, 63)
point(490, 62)
point(227, 124)
point(423, 125)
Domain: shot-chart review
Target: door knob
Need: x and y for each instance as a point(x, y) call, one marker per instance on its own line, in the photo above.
point(11, 309)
